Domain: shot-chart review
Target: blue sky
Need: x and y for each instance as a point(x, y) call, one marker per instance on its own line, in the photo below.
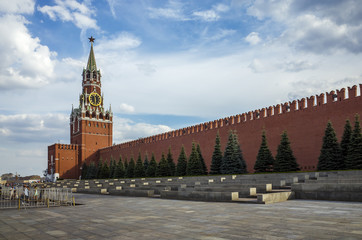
point(165, 64)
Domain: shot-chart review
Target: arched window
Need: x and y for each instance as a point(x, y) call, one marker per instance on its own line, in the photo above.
point(87, 114)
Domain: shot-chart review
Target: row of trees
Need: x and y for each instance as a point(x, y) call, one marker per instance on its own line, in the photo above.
point(232, 162)
point(334, 156)
point(284, 160)
point(344, 155)
point(194, 165)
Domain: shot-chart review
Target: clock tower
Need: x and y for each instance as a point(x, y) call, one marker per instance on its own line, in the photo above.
point(91, 124)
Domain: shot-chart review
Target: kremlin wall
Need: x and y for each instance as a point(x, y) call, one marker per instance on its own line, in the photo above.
point(91, 129)
point(305, 121)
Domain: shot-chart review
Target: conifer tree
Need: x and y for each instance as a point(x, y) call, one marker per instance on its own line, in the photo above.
point(346, 143)
point(104, 171)
point(171, 164)
point(330, 157)
point(216, 157)
point(99, 168)
point(264, 160)
point(285, 160)
point(181, 168)
point(119, 170)
point(146, 163)
point(239, 155)
point(139, 170)
point(125, 167)
point(354, 157)
point(194, 165)
point(232, 161)
point(92, 171)
point(202, 161)
point(130, 168)
point(162, 170)
point(112, 166)
point(152, 167)
point(84, 170)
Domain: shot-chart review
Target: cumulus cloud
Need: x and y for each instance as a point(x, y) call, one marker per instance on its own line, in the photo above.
point(125, 108)
point(71, 11)
point(26, 63)
point(253, 38)
point(314, 26)
point(297, 66)
point(126, 130)
point(32, 127)
point(17, 7)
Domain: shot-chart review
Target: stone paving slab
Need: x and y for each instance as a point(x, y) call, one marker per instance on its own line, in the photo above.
point(116, 217)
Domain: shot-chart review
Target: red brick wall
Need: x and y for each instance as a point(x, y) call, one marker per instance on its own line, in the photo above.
point(65, 157)
point(304, 120)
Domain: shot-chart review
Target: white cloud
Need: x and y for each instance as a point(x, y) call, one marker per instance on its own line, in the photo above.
point(253, 38)
point(313, 26)
point(118, 42)
point(26, 63)
point(208, 15)
point(17, 6)
point(126, 130)
point(173, 10)
point(32, 127)
point(125, 108)
point(71, 11)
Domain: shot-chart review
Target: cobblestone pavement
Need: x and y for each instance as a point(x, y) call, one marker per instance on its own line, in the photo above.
point(113, 217)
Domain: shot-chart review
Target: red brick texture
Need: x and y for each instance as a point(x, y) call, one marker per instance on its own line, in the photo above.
point(305, 121)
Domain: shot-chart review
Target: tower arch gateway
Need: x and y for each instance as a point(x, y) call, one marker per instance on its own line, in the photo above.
point(85, 137)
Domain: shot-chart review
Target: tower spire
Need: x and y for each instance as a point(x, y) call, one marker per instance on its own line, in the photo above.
point(91, 66)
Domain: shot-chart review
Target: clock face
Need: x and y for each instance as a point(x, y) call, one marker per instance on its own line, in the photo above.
point(95, 99)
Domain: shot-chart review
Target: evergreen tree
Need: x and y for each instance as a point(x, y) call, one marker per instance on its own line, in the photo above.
point(99, 168)
point(171, 164)
point(139, 170)
point(330, 157)
point(194, 165)
point(146, 163)
point(354, 157)
point(181, 168)
point(264, 160)
point(92, 171)
point(119, 170)
point(233, 161)
point(346, 143)
point(152, 167)
point(216, 157)
point(162, 170)
point(285, 160)
point(112, 166)
point(125, 167)
point(104, 171)
point(239, 155)
point(202, 161)
point(130, 169)
point(84, 170)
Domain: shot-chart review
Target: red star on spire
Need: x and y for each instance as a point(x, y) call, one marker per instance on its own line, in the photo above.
point(91, 39)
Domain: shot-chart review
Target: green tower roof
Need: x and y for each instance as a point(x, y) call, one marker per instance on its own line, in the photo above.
point(91, 66)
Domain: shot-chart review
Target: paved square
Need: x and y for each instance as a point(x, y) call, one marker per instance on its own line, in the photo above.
point(113, 217)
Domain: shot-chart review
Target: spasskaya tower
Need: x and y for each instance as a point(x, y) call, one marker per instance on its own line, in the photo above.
point(91, 123)
point(91, 127)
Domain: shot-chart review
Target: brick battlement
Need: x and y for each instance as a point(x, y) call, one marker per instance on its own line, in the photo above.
point(311, 103)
